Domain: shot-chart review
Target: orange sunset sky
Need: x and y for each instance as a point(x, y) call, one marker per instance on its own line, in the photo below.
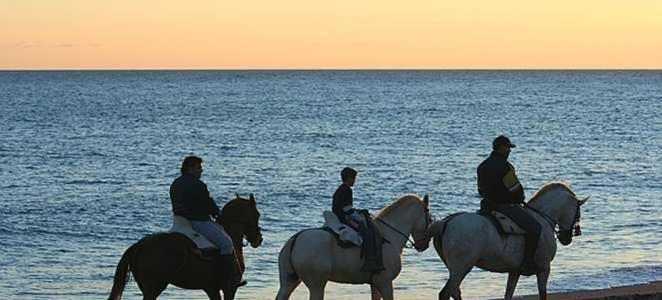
point(311, 34)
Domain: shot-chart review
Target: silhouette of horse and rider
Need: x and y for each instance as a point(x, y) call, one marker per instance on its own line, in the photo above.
point(177, 257)
point(204, 250)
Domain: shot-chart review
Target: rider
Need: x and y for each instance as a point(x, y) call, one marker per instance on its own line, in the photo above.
point(191, 200)
point(501, 191)
point(342, 207)
point(343, 198)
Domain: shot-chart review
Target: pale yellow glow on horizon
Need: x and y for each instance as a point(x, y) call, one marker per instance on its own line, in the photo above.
point(297, 34)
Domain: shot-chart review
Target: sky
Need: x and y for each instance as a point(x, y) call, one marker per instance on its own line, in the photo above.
point(339, 34)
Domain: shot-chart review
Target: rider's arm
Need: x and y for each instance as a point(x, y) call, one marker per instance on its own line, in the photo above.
point(213, 208)
point(512, 185)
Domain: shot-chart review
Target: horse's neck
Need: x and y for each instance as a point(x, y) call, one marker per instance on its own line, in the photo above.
point(549, 204)
point(403, 221)
point(234, 231)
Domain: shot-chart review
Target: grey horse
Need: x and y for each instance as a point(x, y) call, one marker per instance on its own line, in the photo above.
point(313, 256)
point(466, 240)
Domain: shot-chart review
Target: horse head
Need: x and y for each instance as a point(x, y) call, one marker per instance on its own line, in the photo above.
point(409, 215)
point(420, 233)
point(242, 213)
point(569, 222)
point(567, 206)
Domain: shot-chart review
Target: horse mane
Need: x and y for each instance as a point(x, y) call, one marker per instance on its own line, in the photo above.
point(231, 207)
point(232, 202)
point(400, 202)
point(549, 186)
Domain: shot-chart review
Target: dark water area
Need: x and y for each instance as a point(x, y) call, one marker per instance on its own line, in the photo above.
point(87, 159)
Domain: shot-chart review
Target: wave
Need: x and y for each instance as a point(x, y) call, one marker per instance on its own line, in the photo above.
point(94, 182)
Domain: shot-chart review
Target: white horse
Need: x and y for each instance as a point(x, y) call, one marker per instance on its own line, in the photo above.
point(466, 240)
point(313, 256)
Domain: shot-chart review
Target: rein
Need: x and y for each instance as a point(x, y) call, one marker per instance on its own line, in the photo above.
point(553, 223)
point(409, 240)
point(412, 243)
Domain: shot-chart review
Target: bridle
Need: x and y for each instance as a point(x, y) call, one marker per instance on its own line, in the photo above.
point(574, 230)
point(412, 243)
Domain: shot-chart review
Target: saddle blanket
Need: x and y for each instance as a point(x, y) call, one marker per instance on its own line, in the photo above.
point(344, 232)
point(183, 226)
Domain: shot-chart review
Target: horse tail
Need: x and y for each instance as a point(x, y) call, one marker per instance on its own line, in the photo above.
point(122, 273)
point(285, 264)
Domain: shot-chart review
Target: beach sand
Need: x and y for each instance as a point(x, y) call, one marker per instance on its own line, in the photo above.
point(651, 290)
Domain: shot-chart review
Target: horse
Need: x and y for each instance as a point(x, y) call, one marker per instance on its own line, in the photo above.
point(171, 258)
point(553, 204)
point(314, 257)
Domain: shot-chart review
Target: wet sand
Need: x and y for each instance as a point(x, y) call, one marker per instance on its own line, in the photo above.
point(652, 290)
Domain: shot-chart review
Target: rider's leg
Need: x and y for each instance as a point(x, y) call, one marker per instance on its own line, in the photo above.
point(228, 259)
point(372, 243)
point(215, 234)
point(532, 228)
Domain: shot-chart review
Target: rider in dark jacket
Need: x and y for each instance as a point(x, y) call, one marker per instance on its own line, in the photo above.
point(343, 208)
point(343, 198)
point(190, 199)
point(501, 191)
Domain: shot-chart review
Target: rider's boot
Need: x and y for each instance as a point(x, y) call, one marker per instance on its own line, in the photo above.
point(230, 266)
point(529, 266)
point(373, 257)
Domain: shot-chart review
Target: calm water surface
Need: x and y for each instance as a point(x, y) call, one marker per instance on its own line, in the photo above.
point(87, 158)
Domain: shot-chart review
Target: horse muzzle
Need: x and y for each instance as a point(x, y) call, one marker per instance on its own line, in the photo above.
point(422, 245)
point(257, 242)
point(565, 237)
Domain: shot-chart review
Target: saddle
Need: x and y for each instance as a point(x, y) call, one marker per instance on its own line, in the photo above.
point(339, 241)
point(345, 235)
point(370, 241)
point(503, 224)
point(206, 249)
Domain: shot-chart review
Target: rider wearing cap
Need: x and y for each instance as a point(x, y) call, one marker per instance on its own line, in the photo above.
point(501, 191)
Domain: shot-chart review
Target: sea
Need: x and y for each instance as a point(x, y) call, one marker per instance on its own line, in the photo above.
point(87, 158)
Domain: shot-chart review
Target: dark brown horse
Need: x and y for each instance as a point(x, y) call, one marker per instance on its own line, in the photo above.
point(170, 258)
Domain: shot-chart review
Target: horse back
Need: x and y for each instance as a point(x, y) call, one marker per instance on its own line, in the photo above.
point(315, 252)
point(464, 234)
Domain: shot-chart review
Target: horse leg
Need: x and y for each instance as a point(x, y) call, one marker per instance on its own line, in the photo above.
point(152, 290)
point(384, 289)
point(375, 293)
point(452, 287)
point(288, 283)
point(510, 286)
point(542, 284)
point(316, 290)
point(213, 294)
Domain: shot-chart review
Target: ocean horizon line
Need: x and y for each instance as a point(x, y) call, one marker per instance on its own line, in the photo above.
point(336, 69)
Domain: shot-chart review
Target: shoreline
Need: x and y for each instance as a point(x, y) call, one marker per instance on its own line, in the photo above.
point(651, 290)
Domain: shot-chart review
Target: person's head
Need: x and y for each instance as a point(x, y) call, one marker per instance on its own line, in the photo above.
point(502, 145)
point(348, 176)
point(192, 165)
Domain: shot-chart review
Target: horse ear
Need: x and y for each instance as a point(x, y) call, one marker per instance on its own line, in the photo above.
point(581, 202)
point(237, 195)
point(426, 200)
point(251, 198)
